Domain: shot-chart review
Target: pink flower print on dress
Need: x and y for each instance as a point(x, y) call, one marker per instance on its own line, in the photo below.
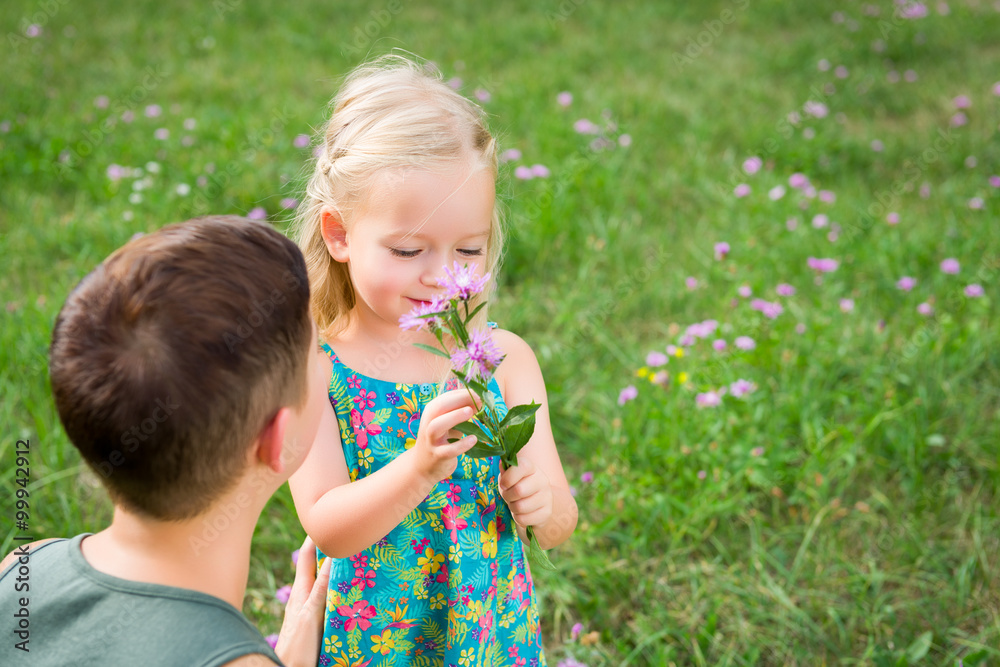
point(365, 399)
point(361, 422)
point(452, 521)
point(357, 615)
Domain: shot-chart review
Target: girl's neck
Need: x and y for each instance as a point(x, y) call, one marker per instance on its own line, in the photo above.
point(392, 359)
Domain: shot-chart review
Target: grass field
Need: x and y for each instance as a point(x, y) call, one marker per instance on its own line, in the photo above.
point(842, 511)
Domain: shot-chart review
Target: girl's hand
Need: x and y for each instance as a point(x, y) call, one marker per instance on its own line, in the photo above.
point(302, 630)
point(527, 492)
point(436, 457)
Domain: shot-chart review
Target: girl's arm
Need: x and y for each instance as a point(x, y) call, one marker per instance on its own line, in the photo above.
point(344, 517)
point(536, 489)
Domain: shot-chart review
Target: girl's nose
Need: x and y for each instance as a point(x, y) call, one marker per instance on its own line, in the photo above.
point(429, 275)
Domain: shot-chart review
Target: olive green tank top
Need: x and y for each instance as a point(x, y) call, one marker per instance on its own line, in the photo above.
point(77, 615)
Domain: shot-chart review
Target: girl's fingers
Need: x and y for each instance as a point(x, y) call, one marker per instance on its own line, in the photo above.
point(439, 426)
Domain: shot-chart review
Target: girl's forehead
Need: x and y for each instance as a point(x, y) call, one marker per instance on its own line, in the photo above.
point(425, 202)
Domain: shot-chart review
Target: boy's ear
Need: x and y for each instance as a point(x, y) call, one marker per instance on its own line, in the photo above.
point(271, 441)
point(334, 233)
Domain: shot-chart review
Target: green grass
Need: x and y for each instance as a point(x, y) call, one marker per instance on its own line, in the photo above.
point(865, 533)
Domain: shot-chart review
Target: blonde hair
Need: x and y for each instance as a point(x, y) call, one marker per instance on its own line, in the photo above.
point(390, 113)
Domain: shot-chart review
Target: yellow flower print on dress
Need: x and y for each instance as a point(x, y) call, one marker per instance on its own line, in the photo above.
point(430, 562)
point(489, 539)
point(383, 643)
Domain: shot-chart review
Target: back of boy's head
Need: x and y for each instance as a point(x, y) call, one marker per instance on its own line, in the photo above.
point(390, 115)
point(169, 358)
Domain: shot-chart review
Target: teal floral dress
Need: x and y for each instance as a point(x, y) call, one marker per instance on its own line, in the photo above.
point(449, 585)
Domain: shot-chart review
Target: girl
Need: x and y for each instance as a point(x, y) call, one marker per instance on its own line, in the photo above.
point(427, 568)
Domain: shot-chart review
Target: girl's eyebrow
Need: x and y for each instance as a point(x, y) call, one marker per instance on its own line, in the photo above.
point(399, 237)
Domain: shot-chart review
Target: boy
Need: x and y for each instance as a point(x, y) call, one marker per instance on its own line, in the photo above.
point(185, 369)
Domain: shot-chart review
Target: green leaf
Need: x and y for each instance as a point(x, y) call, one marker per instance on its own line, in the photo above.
point(471, 428)
point(517, 436)
point(482, 451)
point(473, 313)
point(519, 414)
point(919, 648)
point(536, 553)
point(433, 350)
point(974, 659)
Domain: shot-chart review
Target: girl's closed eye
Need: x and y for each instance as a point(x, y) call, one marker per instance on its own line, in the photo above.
point(471, 252)
point(398, 252)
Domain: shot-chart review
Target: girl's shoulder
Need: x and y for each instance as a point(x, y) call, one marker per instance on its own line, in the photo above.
point(519, 359)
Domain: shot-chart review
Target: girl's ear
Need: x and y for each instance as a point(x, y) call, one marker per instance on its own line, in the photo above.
point(334, 233)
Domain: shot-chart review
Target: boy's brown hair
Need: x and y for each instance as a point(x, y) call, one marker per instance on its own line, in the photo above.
point(170, 357)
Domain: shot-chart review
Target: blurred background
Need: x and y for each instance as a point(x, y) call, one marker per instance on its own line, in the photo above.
point(752, 243)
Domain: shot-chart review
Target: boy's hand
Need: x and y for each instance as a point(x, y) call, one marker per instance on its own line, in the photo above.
point(302, 630)
point(527, 492)
point(436, 457)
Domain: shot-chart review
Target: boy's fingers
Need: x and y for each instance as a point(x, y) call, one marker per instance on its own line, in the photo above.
point(316, 602)
point(305, 569)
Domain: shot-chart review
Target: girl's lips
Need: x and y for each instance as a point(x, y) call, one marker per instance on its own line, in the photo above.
point(417, 302)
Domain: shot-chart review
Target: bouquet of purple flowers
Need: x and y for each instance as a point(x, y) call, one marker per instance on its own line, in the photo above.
point(474, 357)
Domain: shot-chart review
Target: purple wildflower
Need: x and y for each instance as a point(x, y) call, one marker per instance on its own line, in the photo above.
point(481, 352)
point(301, 141)
point(741, 190)
point(721, 250)
point(718, 345)
point(540, 171)
point(769, 309)
point(564, 99)
point(461, 282)
point(295, 557)
point(257, 213)
point(283, 593)
point(272, 640)
point(708, 399)
point(576, 630)
point(906, 283)
point(745, 343)
point(523, 173)
point(950, 265)
point(416, 318)
point(925, 309)
point(627, 394)
point(784, 289)
point(744, 291)
point(847, 305)
point(757, 451)
point(691, 282)
point(741, 388)
point(587, 477)
point(823, 265)
point(510, 154)
point(655, 359)
point(798, 181)
point(974, 290)
point(752, 165)
point(584, 126)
